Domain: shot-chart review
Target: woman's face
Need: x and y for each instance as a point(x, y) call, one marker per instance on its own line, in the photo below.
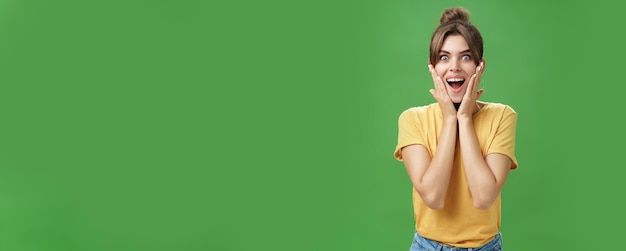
point(455, 66)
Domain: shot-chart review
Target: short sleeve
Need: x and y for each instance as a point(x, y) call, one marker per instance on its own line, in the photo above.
point(409, 131)
point(504, 139)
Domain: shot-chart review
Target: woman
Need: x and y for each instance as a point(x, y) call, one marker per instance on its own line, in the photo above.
point(458, 151)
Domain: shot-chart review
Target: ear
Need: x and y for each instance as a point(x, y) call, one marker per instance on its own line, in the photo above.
point(484, 62)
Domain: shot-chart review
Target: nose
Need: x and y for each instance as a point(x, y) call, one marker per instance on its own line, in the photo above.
point(455, 66)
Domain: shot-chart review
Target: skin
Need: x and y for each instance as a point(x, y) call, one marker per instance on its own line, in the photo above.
point(431, 176)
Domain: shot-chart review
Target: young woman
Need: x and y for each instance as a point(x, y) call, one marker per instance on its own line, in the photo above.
point(458, 151)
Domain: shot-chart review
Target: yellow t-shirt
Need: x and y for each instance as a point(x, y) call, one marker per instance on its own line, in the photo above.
point(459, 223)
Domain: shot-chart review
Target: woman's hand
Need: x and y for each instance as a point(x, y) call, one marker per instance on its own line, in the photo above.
point(440, 93)
point(472, 94)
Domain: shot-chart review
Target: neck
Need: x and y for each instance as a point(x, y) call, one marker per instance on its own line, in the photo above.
point(476, 107)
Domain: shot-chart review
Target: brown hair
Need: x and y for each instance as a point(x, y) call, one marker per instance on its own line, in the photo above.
point(455, 21)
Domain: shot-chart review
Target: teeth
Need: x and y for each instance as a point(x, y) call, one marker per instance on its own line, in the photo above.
point(456, 80)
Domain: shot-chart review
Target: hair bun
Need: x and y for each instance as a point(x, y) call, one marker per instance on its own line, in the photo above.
point(452, 14)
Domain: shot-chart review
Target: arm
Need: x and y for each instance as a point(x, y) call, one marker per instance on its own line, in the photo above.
point(485, 176)
point(430, 177)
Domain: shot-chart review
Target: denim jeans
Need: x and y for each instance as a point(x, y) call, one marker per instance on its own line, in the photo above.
point(422, 244)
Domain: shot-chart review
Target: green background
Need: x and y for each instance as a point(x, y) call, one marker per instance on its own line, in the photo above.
point(270, 125)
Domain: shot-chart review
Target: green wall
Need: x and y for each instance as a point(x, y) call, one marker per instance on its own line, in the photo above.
point(270, 125)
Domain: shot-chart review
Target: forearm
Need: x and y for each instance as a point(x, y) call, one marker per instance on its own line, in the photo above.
point(434, 183)
point(482, 182)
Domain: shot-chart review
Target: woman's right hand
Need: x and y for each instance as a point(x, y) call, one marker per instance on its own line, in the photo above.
point(440, 94)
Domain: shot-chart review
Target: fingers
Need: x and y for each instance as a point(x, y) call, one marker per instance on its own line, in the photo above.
point(437, 82)
point(475, 79)
point(480, 93)
point(480, 68)
point(433, 92)
point(471, 88)
point(440, 93)
point(471, 85)
point(433, 74)
point(479, 73)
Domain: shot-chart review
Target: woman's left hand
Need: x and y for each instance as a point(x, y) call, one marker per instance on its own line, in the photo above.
point(471, 94)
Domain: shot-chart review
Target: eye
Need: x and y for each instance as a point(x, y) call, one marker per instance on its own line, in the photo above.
point(466, 57)
point(443, 57)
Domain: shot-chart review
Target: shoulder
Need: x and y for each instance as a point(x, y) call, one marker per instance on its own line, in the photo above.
point(419, 110)
point(499, 108)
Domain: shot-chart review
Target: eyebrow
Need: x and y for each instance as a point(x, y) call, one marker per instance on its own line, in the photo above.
point(447, 52)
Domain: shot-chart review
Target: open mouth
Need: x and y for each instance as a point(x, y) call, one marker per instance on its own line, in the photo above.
point(455, 83)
